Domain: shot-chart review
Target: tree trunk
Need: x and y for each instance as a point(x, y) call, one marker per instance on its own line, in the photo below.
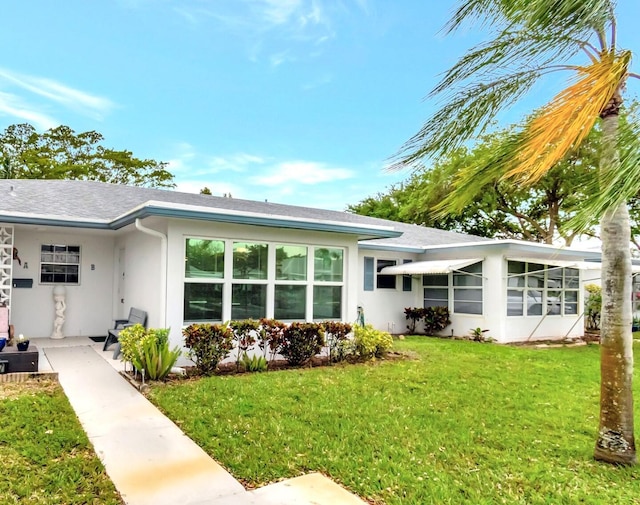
point(615, 443)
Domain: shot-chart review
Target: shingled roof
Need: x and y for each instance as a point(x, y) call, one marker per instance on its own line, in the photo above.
point(110, 206)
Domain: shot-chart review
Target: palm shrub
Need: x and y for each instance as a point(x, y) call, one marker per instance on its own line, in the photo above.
point(301, 341)
point(208, 344)
point(336, 335)
point(369, 343)
point(435, 319)
point(148, 350)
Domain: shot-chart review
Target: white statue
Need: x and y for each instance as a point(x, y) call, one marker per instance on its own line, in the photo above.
point(60, 306)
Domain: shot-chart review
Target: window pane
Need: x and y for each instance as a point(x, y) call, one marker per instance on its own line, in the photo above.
point(554, 279)
point(460, 279)
point(514, 302)
point(467, 301)
point(572, 278)
point(202, 302)
point(435, 280)
point(249, 261)
point(534, 302)
point(385, 281)
point(554, 303)
point(516, 271)
point(204, 258)
point(328, 264)
point(290, 302)
point(406, 279)
point(327, 302)
point(571, 303)
point(248, 301)
point(434, 297)
point(368, 274)
point(535, 280)
point(291, 263)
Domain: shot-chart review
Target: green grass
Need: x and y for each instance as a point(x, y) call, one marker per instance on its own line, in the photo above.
point(462, 422)
point(45, 456)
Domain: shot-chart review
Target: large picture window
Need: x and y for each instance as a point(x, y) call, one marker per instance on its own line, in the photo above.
point(59, 264)
point(225, 279)
point(534, 289)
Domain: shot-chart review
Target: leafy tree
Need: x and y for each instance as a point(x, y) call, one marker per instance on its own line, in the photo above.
point(205, 191)
point(501, 209)
point(61, 153)
point(531, 39)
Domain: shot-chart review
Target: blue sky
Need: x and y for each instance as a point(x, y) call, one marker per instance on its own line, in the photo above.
point(294, 101)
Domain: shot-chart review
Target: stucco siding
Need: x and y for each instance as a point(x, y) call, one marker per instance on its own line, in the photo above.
point(89, 304)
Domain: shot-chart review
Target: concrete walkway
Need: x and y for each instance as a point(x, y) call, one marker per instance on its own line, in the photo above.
point(148, 458)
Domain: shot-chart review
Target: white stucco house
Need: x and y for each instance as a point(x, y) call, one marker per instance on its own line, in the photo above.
point(187, 258)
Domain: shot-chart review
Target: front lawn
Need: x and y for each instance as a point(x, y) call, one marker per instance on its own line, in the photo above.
point(461, 422)
point(45, 456)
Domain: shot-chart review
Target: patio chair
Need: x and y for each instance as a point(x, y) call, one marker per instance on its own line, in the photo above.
point(6, 329)
point(136, 316)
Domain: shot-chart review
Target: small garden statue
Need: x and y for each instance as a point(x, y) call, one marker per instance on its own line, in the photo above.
point(60, 306)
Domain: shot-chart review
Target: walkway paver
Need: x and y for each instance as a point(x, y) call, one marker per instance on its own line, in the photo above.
point(149, 459)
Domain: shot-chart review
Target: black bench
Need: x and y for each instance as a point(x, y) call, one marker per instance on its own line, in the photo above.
point(136, 316)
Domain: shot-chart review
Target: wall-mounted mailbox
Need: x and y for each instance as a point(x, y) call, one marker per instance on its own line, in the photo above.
point(22, 283)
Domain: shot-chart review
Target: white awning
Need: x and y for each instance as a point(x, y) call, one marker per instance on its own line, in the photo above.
point(428, 267)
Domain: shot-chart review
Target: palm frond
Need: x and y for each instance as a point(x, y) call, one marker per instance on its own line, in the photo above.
point(613, 187)
point(565, 18)
point(567, 119)
point(477, 103)
point(509, 53)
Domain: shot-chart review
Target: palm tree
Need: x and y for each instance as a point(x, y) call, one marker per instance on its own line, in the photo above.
point(533, 39)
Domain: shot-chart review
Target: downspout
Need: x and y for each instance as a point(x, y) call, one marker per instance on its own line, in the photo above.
point(163, 268)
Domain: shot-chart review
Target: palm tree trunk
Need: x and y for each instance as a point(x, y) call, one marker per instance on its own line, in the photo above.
point(616, 442)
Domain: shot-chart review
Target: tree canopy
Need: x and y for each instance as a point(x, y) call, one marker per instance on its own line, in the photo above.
point(61, 153)
point(500, 209)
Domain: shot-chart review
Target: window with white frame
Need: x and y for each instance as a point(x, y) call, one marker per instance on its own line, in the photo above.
point(261, 279)
point(204, 278)
point(59, 264)
point(535, 289)
point(460, 291)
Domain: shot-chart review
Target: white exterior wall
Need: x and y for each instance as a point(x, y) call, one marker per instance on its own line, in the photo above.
point(180, 230)
point(143, 278)
point(89, 304)
point(384, 308)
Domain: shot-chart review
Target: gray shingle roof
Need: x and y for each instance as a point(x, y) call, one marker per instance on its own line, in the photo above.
point(97, 202)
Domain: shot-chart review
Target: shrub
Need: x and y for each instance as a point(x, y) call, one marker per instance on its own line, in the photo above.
point(436, 319)
point(244, 332)
point(208, 344)
point(413, 315)
point(370, 343)
point(148, 350)
point(270, 337)
point(593, 306)
point(336, 334)
point(301, 341)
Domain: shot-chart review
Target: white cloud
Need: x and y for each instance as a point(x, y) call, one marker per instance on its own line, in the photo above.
point(74, 99)
point(14, 106)
point(301, 172)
